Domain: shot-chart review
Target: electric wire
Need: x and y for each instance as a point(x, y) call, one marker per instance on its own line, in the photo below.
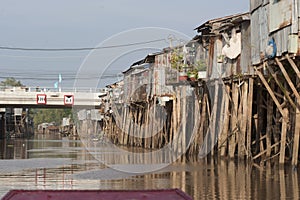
point(79, 49)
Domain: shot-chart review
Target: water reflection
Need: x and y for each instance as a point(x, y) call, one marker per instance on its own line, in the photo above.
point(53, 162)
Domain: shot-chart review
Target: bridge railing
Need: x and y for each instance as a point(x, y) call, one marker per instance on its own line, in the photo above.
point(49, 89)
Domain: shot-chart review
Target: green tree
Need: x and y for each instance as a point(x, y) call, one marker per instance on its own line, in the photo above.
point(50, 115)
point(11, 82)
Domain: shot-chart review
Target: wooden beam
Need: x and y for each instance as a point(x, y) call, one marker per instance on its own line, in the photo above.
point(294, 66)
point(265, 151)
point(262, 78)
point(289, 81)
point(281, 87)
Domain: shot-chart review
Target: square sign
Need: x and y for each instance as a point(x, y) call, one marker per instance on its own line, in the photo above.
point(68, 99)
point(41, 99)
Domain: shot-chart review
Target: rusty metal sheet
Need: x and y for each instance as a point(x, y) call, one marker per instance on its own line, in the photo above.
point(259, 34)
point(217, 68)
point(295, 14)
point(246, 49)
point(254, 4)
point(280, 14)
point(281, 38)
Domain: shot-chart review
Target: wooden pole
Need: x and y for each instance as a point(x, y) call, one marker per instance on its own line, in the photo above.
point(243, 122)
point(234, 114)
point(183, 122)
point(225, 115)
point(283, 136)
point(296, 138)
point(213, 122)
point(269, 123)
point(249, 116)
point(296, 134)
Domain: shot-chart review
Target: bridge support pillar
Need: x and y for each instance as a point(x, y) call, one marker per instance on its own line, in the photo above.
point(2, 125)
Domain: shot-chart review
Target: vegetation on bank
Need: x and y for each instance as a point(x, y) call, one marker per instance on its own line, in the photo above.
point(49, 115)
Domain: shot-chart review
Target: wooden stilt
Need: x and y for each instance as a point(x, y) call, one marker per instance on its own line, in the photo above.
point(213, 122)
point(243, 121)
point(234, 114)
point(283, 136)
point(225, 117)
point(249, 117)
point(296, 133)
point(269, 123)
point(296, 138)
point(258, 121)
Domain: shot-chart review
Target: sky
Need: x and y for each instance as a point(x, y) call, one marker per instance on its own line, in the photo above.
point(91, 23)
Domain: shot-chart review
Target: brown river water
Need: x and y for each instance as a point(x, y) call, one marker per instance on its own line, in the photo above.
point(53, 162)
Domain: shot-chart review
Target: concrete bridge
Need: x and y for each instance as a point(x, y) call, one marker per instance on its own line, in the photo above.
point(26, 97)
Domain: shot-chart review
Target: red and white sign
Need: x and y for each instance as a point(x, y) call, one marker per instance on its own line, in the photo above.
point(68, 99)
point(41, 99)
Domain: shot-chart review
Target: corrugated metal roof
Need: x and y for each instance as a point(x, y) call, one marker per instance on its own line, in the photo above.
point(237, 18)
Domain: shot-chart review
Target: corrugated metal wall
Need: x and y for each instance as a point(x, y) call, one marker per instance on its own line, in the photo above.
point(270, 19)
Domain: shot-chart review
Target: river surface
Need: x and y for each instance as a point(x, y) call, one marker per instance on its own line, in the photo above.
point(53, 162)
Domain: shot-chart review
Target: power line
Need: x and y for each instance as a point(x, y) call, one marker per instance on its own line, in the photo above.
point(78, 49)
